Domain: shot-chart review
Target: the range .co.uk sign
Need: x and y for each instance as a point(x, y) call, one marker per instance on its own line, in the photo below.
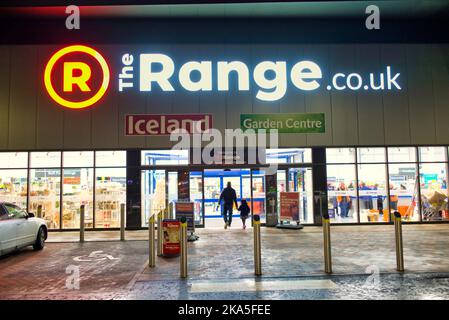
point(85, 76)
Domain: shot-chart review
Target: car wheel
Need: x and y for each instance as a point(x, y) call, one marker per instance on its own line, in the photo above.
point(40, 240)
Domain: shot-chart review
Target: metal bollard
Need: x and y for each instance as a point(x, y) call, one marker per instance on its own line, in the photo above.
point(160, 234)
point(122, 222)
point(82, 208)
point(398, 236)
point(151, 233)
point(327, 244)
point(257, 246)
point(183, 244)
point(39, 211)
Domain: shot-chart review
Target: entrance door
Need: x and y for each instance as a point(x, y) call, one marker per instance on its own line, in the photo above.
point(215, 180)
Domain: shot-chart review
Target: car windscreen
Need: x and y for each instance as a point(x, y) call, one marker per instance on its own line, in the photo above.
point(3, 214)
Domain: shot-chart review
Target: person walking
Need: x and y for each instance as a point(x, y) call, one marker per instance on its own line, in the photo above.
point(228, 197)
point(244, 212)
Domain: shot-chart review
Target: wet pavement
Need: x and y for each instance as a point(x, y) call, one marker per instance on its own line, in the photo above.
point(221, 266)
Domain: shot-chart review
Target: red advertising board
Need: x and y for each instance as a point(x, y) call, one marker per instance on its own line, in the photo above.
point(289, 206)
point(165, 124)
point(171, 245)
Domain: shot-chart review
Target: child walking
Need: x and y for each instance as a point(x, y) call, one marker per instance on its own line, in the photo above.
point(244, 212)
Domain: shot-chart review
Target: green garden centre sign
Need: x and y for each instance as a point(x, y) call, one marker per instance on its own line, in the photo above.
point(284, 122)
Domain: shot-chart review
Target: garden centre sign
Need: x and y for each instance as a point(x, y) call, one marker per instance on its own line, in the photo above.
point(284, 122)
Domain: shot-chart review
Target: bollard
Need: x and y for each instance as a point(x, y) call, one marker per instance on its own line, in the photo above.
point(257, 246)
point(183, 245)
point(398, 236)
point(151, 233)
point(327, 244)
point(82, 208)
point(39, 211)
point(122, 222)
point(160, 234)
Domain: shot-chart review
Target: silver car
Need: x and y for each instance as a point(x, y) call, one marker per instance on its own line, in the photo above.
point(19, 228)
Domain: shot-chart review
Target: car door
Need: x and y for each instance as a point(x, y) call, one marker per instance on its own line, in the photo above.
point(25, 230)
point(8, 231)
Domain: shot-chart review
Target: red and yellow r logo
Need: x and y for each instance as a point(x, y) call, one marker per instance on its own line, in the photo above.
point(70, 79)
point(76, 76)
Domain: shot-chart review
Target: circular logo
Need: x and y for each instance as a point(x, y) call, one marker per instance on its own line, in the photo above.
point(76, 77)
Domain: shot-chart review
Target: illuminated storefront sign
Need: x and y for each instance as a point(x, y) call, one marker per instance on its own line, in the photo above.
point(81, 87)
point(164, 124)
point(78, 76)
point(284, 122)
point(158, 72)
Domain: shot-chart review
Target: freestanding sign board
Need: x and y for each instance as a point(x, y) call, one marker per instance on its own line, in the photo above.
point(187, 210)
point(289, 206)
point(171, 246)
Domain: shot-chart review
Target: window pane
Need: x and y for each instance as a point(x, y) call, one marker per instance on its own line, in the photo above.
point(110, 193)
point(153, 193)
point(373, 193)
point(404, 190)
point(13, 160)
point(289, 155)
point(369, 155)
point(77, 190)
point(258, 202)
point(13, 187)
point(195, 188)
point(78, 159)
point(165, 157)
point(110, 158)
point(15, 212)
point(342, 193)
point(402, 154)
point(433, 191)
point(300, 180)
point(432, 154)
point(340, 155)
point(45, 160)
point(45, 191)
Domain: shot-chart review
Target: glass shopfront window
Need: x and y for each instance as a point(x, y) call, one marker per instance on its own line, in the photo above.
point(340, 155)
point(370, 155)
point(258, 191)
point(402, 154)
point(45, 191)
point(110, 193)
point(45, 159)
point(342, 193)
point(153, 193)
point(13, 186)
point(77, 190)
point(13, 160)
point(432, 154)
point(373, 193)
point(289, 155)
point(403, 184)
point(165, 157)
point(434, 200)
point(300, 180)
point(78, 159)
point(110, 159)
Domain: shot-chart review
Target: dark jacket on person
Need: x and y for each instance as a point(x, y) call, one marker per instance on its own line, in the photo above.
point(244, 209)
point(228, 196)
